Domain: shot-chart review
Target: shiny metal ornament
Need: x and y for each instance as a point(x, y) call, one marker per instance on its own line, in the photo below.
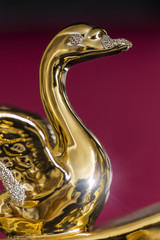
point(57, 175)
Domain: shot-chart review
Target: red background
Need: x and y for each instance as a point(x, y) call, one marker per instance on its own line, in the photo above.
point(117, 97)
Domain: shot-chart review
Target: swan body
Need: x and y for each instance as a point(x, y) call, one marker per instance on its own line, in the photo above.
point(56, 175)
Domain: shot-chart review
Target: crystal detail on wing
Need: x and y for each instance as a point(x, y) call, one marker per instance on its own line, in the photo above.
point(13, 187)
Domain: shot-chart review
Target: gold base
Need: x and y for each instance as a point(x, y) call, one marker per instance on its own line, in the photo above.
point(141, 225)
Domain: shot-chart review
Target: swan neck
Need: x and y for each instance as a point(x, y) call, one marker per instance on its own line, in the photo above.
point(61, 116)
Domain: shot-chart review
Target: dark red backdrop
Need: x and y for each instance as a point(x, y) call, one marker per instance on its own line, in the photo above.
point(118, 99)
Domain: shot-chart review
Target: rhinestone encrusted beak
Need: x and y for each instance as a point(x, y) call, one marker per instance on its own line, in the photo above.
point(109, 43)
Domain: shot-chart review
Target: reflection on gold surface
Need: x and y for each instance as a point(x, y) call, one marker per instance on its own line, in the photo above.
point(142, 225)
point(57, 176)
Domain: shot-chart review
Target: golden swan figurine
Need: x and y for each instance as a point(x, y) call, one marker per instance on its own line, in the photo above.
point(56, 176)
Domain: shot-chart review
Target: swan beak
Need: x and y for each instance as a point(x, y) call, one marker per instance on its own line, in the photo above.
point(117, 44)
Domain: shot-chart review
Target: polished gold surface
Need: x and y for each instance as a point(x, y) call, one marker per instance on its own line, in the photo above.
point(57, 176)
point(142, 225)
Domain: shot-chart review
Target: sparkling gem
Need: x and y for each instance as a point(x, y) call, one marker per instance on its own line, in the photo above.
point(122, 42)
point(107, 42)
point(75, 39)
point(13, 187)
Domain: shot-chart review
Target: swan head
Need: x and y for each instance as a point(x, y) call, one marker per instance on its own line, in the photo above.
point(86, 41)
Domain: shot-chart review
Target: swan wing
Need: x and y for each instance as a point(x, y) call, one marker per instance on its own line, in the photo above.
point(28, 169)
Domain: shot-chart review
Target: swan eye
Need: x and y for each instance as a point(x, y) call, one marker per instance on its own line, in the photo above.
point(100, 34)
point(75, 39)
